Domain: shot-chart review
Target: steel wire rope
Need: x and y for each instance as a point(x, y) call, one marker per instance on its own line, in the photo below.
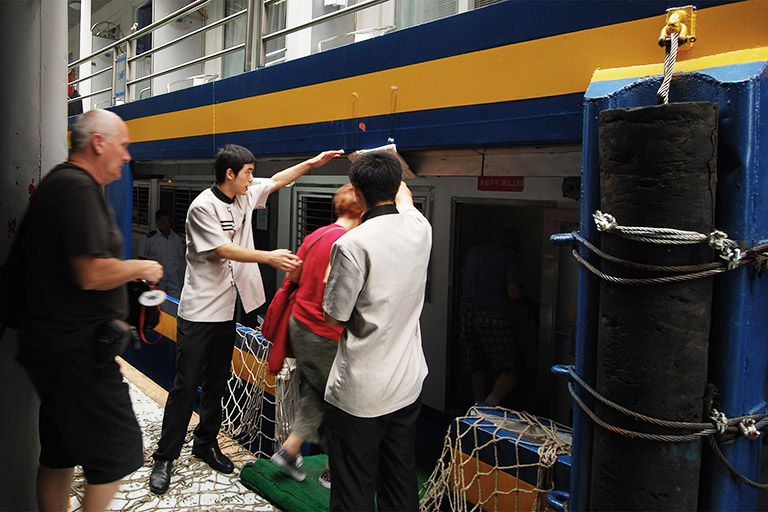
point(645, 266)
point(637, 415)
point(706, 430)
point(669, 236)
point(631, 433)
point(735, 472)
point(670, 56)
point(639, 281)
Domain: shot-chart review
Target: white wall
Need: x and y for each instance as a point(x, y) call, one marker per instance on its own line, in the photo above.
point(32, 140)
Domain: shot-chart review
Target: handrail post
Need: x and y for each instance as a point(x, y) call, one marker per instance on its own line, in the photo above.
point(254, 46)
point(130, 51)
point(113, 96)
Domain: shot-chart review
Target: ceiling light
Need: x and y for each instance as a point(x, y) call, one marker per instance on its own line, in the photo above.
point(75, 4)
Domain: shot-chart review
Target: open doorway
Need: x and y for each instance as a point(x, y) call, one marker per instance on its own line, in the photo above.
point(475, 223)
point(543, 320)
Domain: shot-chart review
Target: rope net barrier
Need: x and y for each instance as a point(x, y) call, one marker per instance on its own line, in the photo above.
point(496, 459)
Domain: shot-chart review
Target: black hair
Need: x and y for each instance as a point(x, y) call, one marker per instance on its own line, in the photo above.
point(232, 157)
point(377, 175)
point(162, 212)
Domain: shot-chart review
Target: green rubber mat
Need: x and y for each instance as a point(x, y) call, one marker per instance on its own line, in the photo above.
point(288, 495)
point(285, 493)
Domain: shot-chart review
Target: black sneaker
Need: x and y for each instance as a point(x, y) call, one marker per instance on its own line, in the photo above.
point(290, 465)
point(325, 478)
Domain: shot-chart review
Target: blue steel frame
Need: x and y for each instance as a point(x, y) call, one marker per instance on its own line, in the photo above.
point(738, 357)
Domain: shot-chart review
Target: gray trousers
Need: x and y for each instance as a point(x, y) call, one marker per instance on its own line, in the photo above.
point(314, 358)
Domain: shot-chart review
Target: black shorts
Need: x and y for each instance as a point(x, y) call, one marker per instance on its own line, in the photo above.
point(86, 415)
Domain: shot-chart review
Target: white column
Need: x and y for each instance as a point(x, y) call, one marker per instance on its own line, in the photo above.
point(86, 45)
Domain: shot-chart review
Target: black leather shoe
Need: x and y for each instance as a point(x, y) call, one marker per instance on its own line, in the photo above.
point(212, 456)
point(160, 476)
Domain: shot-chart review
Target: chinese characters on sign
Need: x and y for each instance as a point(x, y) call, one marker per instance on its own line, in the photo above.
point(501, 183)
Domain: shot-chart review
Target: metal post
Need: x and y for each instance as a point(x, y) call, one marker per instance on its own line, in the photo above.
point(114, 77)
point(254, 46)
point(130, 51)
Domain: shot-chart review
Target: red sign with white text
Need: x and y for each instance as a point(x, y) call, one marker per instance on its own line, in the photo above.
point(501, 183)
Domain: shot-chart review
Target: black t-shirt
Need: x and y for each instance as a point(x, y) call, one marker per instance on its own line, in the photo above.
point(68, 217)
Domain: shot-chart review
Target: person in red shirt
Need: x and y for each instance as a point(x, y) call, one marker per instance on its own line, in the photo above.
point(313, 341)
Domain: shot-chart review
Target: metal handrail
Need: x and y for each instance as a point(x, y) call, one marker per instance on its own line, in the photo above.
point(368, 30)
point(204, 28)
point(254, 12)
point(322, 19)
point(90, 94)
point(189, 63)
point(96, 73)
point(197, 4)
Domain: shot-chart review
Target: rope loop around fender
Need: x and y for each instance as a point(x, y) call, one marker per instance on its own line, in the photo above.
point(744, 426)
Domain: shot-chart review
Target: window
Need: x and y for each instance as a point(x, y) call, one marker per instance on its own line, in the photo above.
point(140, 210)
point(415, 12)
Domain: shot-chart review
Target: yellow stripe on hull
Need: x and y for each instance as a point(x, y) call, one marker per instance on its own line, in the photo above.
point(552, 66)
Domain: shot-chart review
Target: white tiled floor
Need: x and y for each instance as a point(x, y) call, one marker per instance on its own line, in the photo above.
point(194, 486)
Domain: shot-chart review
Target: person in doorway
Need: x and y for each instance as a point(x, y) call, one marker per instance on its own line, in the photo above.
point(313, 341)
point(166, 247)
point(75, 276)
point(220, 268)
point(375, 291)
point(492, 288)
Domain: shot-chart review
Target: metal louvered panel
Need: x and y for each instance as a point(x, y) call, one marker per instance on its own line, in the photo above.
point(140, 210)
point(176, 199)
point(313, 211)
point(409, 13)
point(483, 3)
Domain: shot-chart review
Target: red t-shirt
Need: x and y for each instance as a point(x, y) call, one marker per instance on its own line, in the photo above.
point(308, 304)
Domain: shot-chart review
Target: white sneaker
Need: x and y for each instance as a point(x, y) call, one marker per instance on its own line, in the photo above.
point(325, 478)
point(290, 465)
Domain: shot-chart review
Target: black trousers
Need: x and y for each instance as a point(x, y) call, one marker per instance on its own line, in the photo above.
point(202, 349)
point(373, 457)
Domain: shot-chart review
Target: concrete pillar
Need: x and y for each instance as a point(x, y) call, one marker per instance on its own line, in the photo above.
point(33, 35)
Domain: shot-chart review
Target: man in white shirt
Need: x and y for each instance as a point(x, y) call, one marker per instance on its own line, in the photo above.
point(376, 290)
point(220, 266)
point(166, 247)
